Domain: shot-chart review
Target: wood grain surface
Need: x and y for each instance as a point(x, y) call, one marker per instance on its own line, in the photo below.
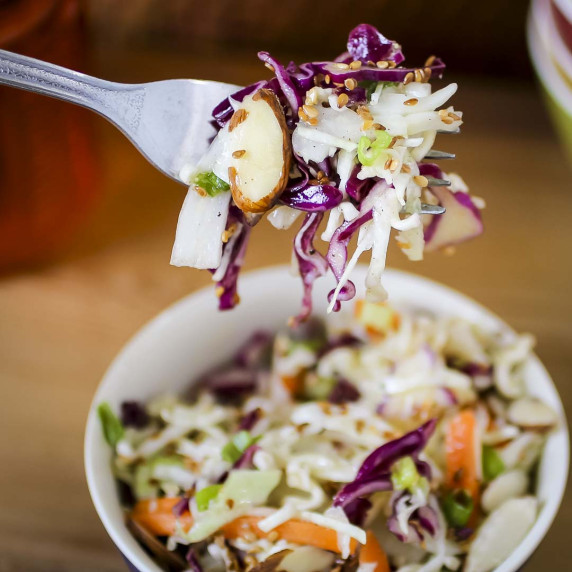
point(60, 325)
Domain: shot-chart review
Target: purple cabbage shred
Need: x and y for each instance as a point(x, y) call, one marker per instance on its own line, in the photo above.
point(133, 414)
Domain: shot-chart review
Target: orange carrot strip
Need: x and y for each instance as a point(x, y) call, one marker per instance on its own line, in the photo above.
point(372, 552)
point(294, 530)
point(461, 456)
point(158, 518)
point(156, 515)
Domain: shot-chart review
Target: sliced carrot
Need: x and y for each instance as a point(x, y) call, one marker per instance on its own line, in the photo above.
point(293, 383)
point(156, 515)
point(158, 518)
point(461, 455)
point(373, 553)
point(294, 530)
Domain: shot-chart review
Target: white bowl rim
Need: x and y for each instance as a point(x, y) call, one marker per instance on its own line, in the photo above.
point(131, 550)
point(545, 68)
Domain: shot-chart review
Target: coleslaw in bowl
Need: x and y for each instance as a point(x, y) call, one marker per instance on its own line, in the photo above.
point(169, 352)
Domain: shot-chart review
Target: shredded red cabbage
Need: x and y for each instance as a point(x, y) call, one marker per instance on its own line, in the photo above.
point(192, 559)
point(375, 472)
point(423, 520)
point(181, 507)
point(245, 461)
point(255, 352)
point(366, 44)
point(344, 392)
point(227, 286)
point(133, 414)
point(250, 420)
point(312, 198)
point(311, 263)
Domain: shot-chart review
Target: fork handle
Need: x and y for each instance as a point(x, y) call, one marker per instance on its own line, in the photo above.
point(120, 103)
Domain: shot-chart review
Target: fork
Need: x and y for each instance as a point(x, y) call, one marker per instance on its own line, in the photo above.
point(167, 121)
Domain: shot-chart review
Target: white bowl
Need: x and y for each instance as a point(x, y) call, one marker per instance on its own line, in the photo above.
point(191, 336)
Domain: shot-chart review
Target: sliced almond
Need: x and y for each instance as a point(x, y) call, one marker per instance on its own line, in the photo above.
point(259, 132)
point(509, 485)
point(531, 413)
point(501, 532)
point(523, 451)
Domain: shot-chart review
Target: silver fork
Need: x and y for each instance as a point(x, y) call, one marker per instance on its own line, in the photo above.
point(166, 120)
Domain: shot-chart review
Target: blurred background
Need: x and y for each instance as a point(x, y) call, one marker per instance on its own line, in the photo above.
point(86, 225)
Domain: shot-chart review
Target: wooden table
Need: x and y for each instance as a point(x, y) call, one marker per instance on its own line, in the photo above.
point(61, 325)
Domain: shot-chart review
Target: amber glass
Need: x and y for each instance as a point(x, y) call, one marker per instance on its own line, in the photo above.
point(47, 163)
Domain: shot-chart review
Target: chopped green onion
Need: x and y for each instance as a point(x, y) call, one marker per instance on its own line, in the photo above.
point(318, 388)
point(371, 86)
point(210, 183)
point(458, 507)
point(234, 449)
point(493, 465)
point(110, 423)
point(404, 474)
point(369, 151)
point(206, 495)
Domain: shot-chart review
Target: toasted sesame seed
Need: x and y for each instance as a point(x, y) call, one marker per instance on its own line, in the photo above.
point(412, 101)
point(443, 113)
point(355, 65)
point(406, 168)
point(236, 299)
point(320, 175)
point(229, 503)
point(447, 120)
point(273, 536)
point(338, 84)
point(237, 118)
point(419, 76)
point(341, 66)
point(408, 78)
point(404, 245)
point(219, 291)
point(302, 114)
point(393, 165)
point(312, 97)
point(454, 116)
point(360, 424)
point(387, 163)
point(382, 64)
point(350, 83)
point(367, 124)
point(313, 121)
point(310, 110)
point(327, 79)
point(364, 112)
point(427, 72)
point(343, 99)
point(429, 61)
point(420, 180)
point(370, 63)
point(392, 65)
point(270, 67)
point(239, 153)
